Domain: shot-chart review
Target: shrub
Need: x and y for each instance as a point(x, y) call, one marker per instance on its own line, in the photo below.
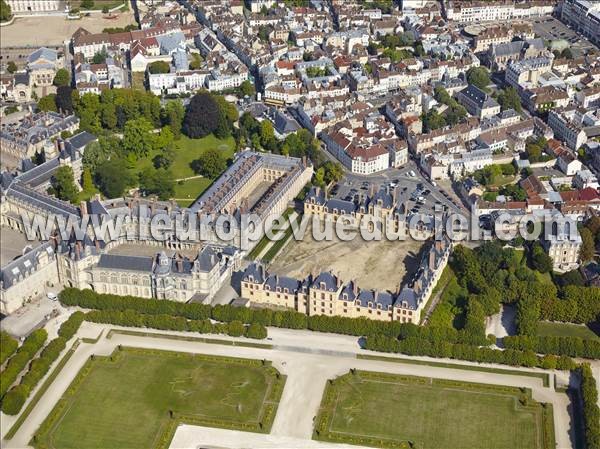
point(235, 329)
point(32, 344)
point(14, 400)
point(591, 412)
point(8, 346)
point(257, 331)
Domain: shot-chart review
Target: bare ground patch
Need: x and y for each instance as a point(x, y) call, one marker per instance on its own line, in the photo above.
point(380, 265)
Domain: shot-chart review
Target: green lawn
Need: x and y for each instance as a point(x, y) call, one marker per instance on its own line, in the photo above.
point(187, 192)
point(186, 151)
point(386, 410)
point(127, 402)
point(548, 329)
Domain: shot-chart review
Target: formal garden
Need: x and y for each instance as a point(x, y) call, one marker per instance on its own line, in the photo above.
point(161, 389)
point(396, 411)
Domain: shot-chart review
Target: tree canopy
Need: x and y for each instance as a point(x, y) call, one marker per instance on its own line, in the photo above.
point(202, 116)
point(63, 184)
point(210, 164)
point(479, 76)
point(62, 78)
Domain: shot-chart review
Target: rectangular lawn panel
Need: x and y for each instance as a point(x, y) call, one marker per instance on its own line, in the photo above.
point(393, 411)
point(137, 397)
point(548, 329)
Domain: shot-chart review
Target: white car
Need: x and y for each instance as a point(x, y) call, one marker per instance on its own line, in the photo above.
point(52, 296)
point(412, 173)
point(434, 184)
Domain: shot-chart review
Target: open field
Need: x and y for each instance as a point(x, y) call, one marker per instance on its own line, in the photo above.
point(187, 192)
point(380, 265)
point(387, 410)
point(56, 29)
point(548, 329)
point(160, 389)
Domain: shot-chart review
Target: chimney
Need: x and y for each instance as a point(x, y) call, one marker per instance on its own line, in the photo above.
point(83, 209)
point(179, 265)
point(97, 243)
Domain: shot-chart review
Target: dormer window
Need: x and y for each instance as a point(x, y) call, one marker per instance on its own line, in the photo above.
point(322, 285)
point(345, 296)
point(286, 290)
point(267, 287)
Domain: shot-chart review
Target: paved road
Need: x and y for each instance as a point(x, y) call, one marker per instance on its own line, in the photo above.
point(307, 358)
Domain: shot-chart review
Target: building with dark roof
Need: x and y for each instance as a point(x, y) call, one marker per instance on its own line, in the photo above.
point(478, 102)
point(326, 294)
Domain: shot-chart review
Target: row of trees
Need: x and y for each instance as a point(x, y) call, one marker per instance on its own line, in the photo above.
point(13, 400)
point(571, 346)
point(591, 411)
point(576, 304)
point(30, 347)
point(8, 346)
point(131, 318)
point(420, 347)
point(227, 313)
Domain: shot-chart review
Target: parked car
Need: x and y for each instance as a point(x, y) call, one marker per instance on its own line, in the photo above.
point(52, 296)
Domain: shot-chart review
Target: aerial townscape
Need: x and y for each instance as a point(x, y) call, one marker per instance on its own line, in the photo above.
point(300, 224)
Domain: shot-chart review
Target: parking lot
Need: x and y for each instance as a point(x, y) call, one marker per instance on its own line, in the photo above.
point(409, 182)
point(551, 29)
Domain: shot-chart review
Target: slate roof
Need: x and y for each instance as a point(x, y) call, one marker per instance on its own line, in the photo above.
point(327, 278)
point(128, 263)
point(482, 99)
point(24, 265)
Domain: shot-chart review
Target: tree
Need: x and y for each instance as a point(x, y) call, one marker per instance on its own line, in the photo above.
point(202, 116)
point(540, 260)
point(196, 62)
point(47, 103)
point(13, 401)
point(159, 67)
point(100, 151)
point(87, 183)
point(235, 329)
point(433, 120)
point(257, 331)
point(157, 181)
point(63, 184)
point(267, 133)
point(5, 11)
point(112, 177)
point(210, 164)
point(11, 67)
point(442, 95)
point(247, 89)
point(509, 99)
point(479, 76)
point(137, 137)
point(86, 4)
point(228, 115)
point(100, 57)
point(588, 247)
point(62, 78)
point(333, 171)
point(172, 116)
point(64, 99)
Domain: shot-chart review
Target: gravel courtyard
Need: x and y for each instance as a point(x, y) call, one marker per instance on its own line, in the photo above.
point(380, 265)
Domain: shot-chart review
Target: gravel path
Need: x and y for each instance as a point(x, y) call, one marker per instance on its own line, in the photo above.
point(307, 358)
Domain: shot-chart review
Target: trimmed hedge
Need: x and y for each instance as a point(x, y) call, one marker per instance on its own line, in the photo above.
point(8, 346)
point(30, 347)
point(591, 411)
point(569, 346)
point(131, 318)
point(14, 400)
point(414, 346)
point(226, 313)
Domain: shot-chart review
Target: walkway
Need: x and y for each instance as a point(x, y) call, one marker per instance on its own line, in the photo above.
point(308, 358)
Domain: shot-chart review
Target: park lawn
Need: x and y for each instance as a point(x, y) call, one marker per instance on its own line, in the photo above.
point(187, 192)
point(126, 402)
point(386, 410)
point(550, 329)
point(188, 150)
point(99, 4)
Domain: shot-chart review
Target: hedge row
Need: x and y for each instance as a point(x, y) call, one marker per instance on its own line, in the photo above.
point(131, 318)
point(13, 400)
point(226, 313)
point(414, 346)
point(8, 346)
point(570, 346)
point(30, 347)
point(591, 411)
